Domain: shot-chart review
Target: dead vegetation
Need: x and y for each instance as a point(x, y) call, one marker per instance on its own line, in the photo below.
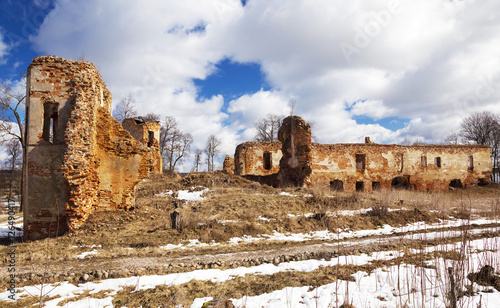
point(235, 207)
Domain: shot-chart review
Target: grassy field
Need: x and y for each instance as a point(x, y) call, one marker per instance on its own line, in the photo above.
point(264, 241)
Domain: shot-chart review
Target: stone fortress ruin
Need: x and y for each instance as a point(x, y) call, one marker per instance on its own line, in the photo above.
point(350, 167)
point(79, 158)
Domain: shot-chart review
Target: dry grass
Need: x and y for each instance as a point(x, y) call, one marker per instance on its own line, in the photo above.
point(148, 226)
point(142, 230)
point(253, 285)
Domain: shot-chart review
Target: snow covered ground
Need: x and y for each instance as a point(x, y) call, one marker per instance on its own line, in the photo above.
point(341, 235)
point(403, 285)
point(393, 286)
point(389, 286)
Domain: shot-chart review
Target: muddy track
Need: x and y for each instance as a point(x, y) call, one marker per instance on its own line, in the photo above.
point(242, 255)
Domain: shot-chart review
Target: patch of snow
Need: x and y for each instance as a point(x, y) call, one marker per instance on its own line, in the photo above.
point(191, 243)
point(384, 230)
point(164, 194)
point(87, 253)
point(88, 246)
point(228, 221)
point(189, 196)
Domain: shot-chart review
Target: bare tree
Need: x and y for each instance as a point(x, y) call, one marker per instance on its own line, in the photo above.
point(151, 117)
point(211, 150)
point(480, 128)
point(14, 160)
point(267, 128)
point(453, 138)
point(483, 128)
point(174, 144)
point(197, 160)
point(419, 141)
point(11, 123)
point(408, 141)
point(126, 108)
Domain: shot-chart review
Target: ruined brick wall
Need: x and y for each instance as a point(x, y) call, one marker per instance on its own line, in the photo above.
point(368, 167)
point(76, 150)
point(257, 158)
point(148, 133)
point(295, 165)
point(122, 162)
point(228, 165)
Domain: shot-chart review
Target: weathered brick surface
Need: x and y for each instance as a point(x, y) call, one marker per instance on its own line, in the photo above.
point(228, 165)
point(89, 161)
point(380, 166)
point(384, 162)
point(295, 165)
point(249, 158)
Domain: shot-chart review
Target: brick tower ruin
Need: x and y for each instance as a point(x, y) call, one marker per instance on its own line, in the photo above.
point(295, 137)
point(79, 158)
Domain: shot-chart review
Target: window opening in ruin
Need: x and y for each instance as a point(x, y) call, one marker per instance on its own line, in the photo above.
point(456, 184)
point(360, 186)
point(437, 162)
point(402, 163)
point(423, 161)
point(268, 162)
point(50, 116)
point(399, 182)
point(360, 161)
point(470, 162)
point(376, 186)
point(151, 138)
point(337, 185)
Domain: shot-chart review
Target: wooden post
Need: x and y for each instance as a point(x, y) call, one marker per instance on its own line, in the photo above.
point(176, 220)
point(453, 295)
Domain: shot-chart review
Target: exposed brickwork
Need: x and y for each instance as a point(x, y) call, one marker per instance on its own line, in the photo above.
point(364, 167)
point(295, 165)
point(228, 165)
point(249, 158)
point(79, 157)
point(383, 163)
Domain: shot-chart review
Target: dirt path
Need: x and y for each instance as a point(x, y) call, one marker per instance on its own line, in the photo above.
point(234, 255)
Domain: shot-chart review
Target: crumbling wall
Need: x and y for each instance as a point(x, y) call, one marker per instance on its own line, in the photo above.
point(295, 165)
point(421, 167)
point(228, 165)
point(79, 157)
point(148, 133)
point(257, 158)
point(365, 167)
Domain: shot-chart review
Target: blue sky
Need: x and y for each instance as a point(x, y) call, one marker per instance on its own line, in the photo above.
point(391, 70)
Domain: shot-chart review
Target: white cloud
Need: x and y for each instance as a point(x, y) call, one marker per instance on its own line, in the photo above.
point(373, 109)
point(249, 108)
point(4, 48)
point(430, 61)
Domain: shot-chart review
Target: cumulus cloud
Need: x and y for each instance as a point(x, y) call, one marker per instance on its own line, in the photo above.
point(373, 109)
point(431, 61)
point(416, 58)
